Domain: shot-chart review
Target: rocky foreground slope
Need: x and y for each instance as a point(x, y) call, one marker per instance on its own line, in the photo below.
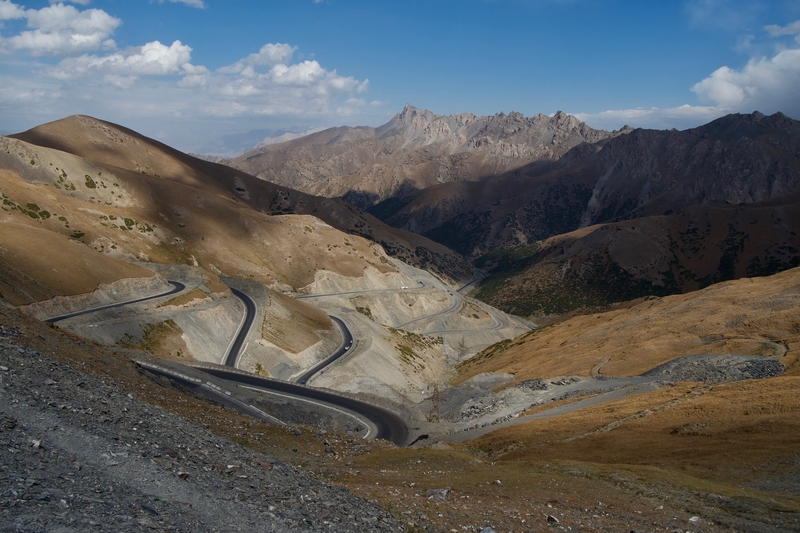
point(81, 454)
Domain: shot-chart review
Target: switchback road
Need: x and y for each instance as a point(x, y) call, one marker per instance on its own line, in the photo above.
point(388, 424)
point(176, 287)
point(347, 343)
point(235, 348)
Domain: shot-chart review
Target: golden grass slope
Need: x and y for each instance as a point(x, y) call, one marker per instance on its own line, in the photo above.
point(36, 264)
point(747, 316)
point(134, 216)
point(734, 445)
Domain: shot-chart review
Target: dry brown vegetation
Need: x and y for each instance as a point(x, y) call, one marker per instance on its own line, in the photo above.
point(748, 316)
point(610, 494)
point(96, 231)
point(37, 263)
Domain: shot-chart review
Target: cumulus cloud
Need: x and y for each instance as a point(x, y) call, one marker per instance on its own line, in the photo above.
point(10, 11)
point(767, 84)
point(59, 29)
point(268, 83)
point(270, 54)
point(155, 80)
point(152, 59)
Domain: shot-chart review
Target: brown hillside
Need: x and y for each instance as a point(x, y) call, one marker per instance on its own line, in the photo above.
point(747, 316)
point(592, 267)
point(735, 442)
point(175, 181)
point(37, 264)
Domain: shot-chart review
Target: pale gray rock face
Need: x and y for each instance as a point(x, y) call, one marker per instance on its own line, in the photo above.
point(414, 150)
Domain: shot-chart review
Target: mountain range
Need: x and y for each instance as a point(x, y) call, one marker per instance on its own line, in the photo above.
point(414, 150)
point(630, 406)
point(546, 204)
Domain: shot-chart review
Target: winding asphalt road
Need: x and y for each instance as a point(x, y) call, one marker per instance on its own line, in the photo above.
point(235, 348)
point(210, 391)
point(388, 424)
point(347, 343)
point(177, 286)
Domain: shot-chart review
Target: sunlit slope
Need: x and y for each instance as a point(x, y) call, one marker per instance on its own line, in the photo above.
point(415, 150)
point(737, 434)
point(747, 316)
point(37, 264)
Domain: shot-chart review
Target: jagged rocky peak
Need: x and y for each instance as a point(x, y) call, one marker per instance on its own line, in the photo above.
point(410, 115)
point(499, 126)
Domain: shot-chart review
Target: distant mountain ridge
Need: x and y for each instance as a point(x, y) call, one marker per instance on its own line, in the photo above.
point(735, 159)
point(415, 150)
point(648, 213)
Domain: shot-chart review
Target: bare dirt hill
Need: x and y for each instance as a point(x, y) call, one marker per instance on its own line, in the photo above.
point(414, 150)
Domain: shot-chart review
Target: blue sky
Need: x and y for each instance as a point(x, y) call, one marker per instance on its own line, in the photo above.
point(195, 73)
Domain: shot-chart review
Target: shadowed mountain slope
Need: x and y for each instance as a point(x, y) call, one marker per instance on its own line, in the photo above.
point(658, 255)
point(735, 159)
point(647, 213)
point(203, 208)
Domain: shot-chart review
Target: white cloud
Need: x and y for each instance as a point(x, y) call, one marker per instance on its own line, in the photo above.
point(90, 75)
point(790, 29)
point(764, 84)
point(123, 82)
point(191, 3)
point(267, 83)
point(59, 29)
point(685, 116)
point(10, 11)
point(270, 54)
point(152, 59)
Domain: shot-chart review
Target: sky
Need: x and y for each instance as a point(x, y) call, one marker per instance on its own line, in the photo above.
point(211, 76)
